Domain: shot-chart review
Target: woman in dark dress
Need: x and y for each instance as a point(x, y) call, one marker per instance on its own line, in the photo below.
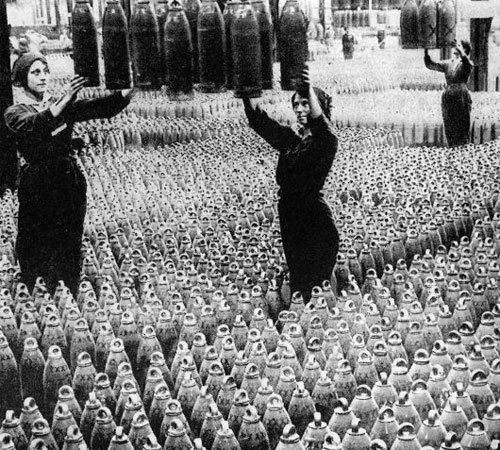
point(456, 101)
point(310, 239)
point(52, 188)
point(348, 42)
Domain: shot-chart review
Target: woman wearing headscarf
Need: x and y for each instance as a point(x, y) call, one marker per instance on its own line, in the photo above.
point(348, 42)
point(456, 100)
point(310, 238)
point(52, 188)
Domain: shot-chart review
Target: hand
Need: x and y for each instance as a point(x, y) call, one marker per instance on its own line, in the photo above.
point(129, 93)
point(76, 85)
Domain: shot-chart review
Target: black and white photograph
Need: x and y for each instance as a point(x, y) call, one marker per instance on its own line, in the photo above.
point(249, 224)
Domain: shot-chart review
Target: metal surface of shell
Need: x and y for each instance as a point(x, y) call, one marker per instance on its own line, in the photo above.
point(274, 9)
point(85, 46)
point(178, 51)
point(229, 16)
point(292, 45)
point(428, 23)
point(161, 17)
point(266, 32)
point(447, 22)
point(409, 25)
point(116, 49)
point(126, 8)
point(246, 52)
point(192, 9)
point(145, 45)
point(211, 47)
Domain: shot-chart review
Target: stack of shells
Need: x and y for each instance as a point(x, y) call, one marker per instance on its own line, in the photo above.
point(349, 80)
point(428, 24)
point(179, 45)
point(184, 326)
point(130, 131)
point(398, 109)
point(152, 123)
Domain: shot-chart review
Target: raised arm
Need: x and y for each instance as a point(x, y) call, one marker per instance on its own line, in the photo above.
point(439, 66)
point(74, 110)
point(464, 57)
point(21, 120)
point(321, 128)
point(98, 108)
point(278, 136)
point(322, 132)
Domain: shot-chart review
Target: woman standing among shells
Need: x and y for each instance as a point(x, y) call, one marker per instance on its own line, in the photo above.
point(52, 188)
point(456, 100)
point(310, 238)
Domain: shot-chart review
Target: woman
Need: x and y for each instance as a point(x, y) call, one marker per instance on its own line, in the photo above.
point(348, 42)
point(310, 239)
point(456, 101)
point(52, 188)
point(381, 37)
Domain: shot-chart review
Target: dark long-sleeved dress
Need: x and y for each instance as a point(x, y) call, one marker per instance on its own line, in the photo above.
point(456, 100)
point(52, 188)
point(348, 42)
point(310, 238)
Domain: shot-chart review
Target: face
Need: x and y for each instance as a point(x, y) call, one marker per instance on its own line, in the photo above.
point(38, 77)
point(301, 108)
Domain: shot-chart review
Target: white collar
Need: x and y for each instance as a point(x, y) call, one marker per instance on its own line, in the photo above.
point(21, 97)
point(300, 130)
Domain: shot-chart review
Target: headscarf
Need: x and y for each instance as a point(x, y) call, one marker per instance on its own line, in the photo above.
point(324, 99)
point(22, 67)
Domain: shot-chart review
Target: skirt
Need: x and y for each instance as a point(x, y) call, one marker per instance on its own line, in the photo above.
point(52, 207)
point(456, 106)
point(310, 242)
